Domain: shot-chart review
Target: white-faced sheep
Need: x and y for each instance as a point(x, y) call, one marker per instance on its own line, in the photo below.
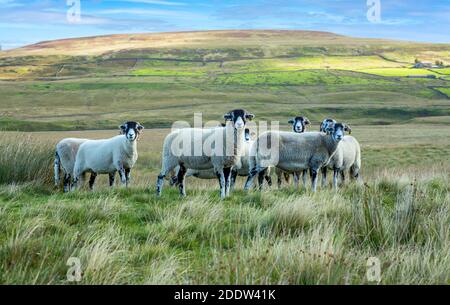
point(117, 154)
point(346, 158)
point(218, 148)
point(299, 124)
point(295, 152)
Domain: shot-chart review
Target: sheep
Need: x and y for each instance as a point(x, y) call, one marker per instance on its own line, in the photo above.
point(346, 158)
point(108, 156)
point(221, 149)
point(65, 153)
point(325, 123)
point(295, 152)
point(210, 174)
point(298, 126)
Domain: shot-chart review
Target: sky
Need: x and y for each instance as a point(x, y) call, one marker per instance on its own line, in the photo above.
point(26, 22)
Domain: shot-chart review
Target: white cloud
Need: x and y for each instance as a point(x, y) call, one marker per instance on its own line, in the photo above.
point(149, 12)
point(158, 2)
point(9, 3)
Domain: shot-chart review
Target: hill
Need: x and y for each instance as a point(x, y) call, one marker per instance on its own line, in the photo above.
point(84, 83)
point(100, 45)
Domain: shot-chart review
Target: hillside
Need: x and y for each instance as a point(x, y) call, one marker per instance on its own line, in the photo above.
point(84, 83)
point(100, 45)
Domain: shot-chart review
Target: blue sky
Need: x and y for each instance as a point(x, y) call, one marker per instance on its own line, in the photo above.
point(25, 22)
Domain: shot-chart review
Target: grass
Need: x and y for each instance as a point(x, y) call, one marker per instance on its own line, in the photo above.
point(446, 91)
point(158, 72)
point(129, 236)
point(296, 78)
point(399, 72)
point(23, 160)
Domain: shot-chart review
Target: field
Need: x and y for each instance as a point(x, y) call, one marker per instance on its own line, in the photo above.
point(399, 213)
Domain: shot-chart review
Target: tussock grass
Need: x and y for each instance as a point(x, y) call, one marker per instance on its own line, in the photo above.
point(23, 159)
point(275, 237)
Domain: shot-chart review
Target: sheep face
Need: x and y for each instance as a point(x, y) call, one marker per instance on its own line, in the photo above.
point(238, 118)
point(325, 123)
point(131, 130)
point(337, 131)
point(299, 124)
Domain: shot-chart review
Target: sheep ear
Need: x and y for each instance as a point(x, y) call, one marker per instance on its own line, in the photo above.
point(140, 127)
point(249, 116)
point(307, 122)
point(123, 127)
point(291, 121)
point(347, 128)
point(228, 117)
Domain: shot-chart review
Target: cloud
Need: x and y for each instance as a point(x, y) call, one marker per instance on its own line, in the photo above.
point(10, 3)
point(157, 2)
point(150, 12)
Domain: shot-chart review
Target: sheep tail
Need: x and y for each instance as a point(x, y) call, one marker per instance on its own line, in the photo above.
point(57, 169)
point(355, 168)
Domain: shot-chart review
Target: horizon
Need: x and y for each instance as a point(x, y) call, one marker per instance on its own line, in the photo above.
point(29, 22)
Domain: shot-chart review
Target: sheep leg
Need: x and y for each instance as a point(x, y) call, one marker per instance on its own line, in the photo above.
point(122, 175)
point(261, 175)
point(92, 181)
point(173, 181)
point(180, 178)
point(324, 177)
point(268, 179)
point(279, 180)
point(287, 177)
point(296, 180)
point(57, 167)
point(255, 171)
point(335, 178)
point(78, 181)
point(159, 184)
point(112, 179)
point(342, 177)
point(66, 182)
point(128, 175)
point(313, 173)
point(227, 174)
point(305, 173)
point(221, 177)
point(233, 178)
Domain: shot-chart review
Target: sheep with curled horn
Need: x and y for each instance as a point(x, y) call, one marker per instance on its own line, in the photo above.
point(221, 150)
point(108, 156)
point(299, 125)
point(240, 169)
point(347, 157)
point(296, 152)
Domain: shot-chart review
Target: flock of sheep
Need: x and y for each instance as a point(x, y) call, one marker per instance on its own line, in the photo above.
point(297, 152)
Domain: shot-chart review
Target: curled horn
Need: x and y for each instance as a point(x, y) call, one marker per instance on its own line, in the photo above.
point(347, 128)
point(228, 116)
point(249, 116)
point(123, 128)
